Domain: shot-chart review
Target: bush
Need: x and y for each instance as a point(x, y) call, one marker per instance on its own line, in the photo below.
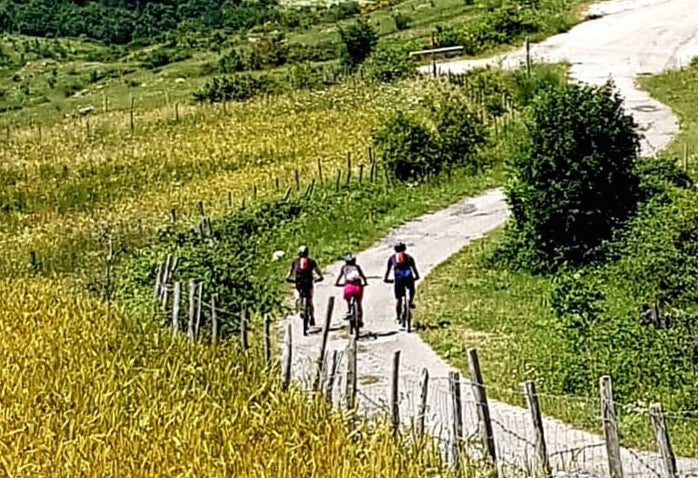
point(358, 42)
point(574, 178)
point(390, 64)
point(238, 87)
point(402, 21)
point(460, 133)
point(406, 148)
point(231, 62)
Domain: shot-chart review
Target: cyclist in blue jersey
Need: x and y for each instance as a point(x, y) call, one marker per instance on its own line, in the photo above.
point(405, 274)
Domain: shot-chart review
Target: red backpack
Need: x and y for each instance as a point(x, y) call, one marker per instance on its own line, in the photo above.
point(400, 259)
point(303, 264)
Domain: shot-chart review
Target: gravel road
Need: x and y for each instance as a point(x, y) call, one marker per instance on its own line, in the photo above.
point(630, 38)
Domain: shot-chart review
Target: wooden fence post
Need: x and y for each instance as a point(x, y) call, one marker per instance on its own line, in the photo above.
point(132, 124)
point(610, 428)
point(661, 432)
point(483, 409)
point(421, 414)
point(685, 156)
point(319, 169)
point(199, 299)
point(177, 112)
point(288, 357)
point(351, 375)
point(348, 168)
point(394, 393)
point(175, 307)
point(456, 400)
point(158, 282)
point(323, 346)
point(267, 341)
point(243, 331)
point(214, 321)
point(528, 57)
point(537, 419)
point(361, 173)
point(332, 374)
point(339, 178)
point(192, 309)
point(296, 174)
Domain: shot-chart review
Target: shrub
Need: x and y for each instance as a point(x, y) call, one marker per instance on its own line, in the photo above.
point(358, 42)
point(574, 179)
point(231, 62)
point(406, 147)
point(238, 87)
point(460, 133)
point(390, 64)
point(402, 21)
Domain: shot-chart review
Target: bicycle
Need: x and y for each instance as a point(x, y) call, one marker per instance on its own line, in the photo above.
point(353, 314)
point(305, 313)
point(405, 314)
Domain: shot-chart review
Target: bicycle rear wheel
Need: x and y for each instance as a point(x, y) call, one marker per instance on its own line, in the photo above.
point(355, 318)
point(305, 314)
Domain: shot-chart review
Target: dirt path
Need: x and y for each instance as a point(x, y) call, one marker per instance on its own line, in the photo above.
point(633, 38)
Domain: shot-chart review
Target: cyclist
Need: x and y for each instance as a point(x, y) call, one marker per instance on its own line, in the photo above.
point(405, 273)
point(354, 283)
point(302, 273)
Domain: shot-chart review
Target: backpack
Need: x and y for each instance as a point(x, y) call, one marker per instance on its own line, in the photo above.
point(303, 264)
point(351, 274)
point(402, 269)
point(400, 259)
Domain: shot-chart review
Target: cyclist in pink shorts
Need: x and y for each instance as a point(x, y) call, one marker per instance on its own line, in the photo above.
point(354, 283)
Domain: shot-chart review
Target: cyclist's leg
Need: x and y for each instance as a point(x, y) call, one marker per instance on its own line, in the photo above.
point(347, 298)
point(359, 302)
point(410, 286)
point(399, 297)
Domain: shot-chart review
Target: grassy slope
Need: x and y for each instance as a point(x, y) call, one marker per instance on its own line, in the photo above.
point(468, 303)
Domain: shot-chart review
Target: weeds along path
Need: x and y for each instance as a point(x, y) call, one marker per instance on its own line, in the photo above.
point(630, 38)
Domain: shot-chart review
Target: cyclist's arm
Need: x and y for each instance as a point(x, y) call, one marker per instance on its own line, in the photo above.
point(414, 269)
point(387, 271)
point(291, 272)
point(319, 273)
point(339, 277)
point(363, 277)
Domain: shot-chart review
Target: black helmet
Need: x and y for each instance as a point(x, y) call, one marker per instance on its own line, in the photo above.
point(303, 251)
point(400, 247)
point(350, 259)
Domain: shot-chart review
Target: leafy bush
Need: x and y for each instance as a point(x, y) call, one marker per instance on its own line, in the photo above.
point(574, 180)
point(231, 62)
point(402, 21)
point(389, 64)
point(358, 42)
point(460, 133)
point(238, 87)
point(407, 149)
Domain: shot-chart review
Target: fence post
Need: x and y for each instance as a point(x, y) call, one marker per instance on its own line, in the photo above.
point(421, 414)
point(685, 156)
point(454, 384)
point(361, 173)
point(528, 57)
point(339, 178)
point(175, 308)
point(332, 374)
point(610, 428)
point(158, 282)
point(348, 167)
point(537, 418)
point(323, 346)
point(177, 112)
point(214, 321)
point(288, 357)
point(243, 331)
point(483, 409)
point(192, 309)
point(199, 299)
point(351, 375)
point(394, 392)
point(296, 174)
point(267, 341)
point(661, 433)
point(132, 125)
point(319, 169)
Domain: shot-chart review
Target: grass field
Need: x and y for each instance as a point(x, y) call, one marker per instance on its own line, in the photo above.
point(507, 315)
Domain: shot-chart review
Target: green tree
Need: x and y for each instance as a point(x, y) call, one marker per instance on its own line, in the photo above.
point(574, 178)
point(358, 42)
point(406, 148)
point(460, 132)
point(386, 65)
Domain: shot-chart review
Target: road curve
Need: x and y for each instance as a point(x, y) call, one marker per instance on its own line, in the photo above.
point(629, 39)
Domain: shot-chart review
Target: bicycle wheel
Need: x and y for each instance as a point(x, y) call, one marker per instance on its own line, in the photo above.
point(355, 317)
point(408, 313)
point(405, 310)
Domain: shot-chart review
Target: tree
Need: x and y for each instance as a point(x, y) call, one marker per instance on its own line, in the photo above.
point(460, 132)
point(358, 42)
point(386, 65)
point(574, 178)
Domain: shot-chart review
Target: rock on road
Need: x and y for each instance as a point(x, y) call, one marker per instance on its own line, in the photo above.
point(630, 38)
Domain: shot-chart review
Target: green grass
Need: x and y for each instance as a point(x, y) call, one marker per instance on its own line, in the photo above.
point(470, 302)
